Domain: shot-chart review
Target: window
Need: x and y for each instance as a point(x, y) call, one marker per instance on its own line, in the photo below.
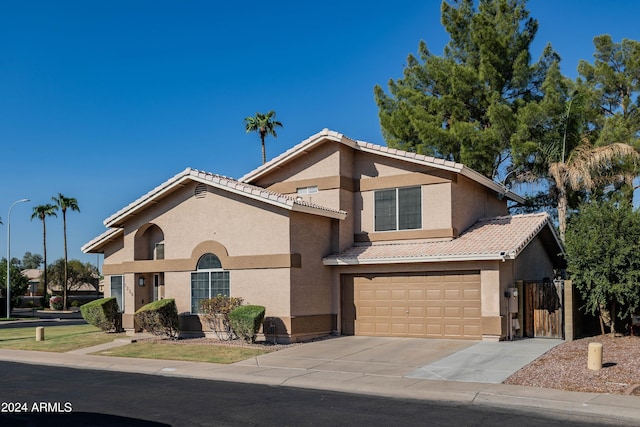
point(398, 209)
point(208, 281)
point(117, 284)
point(159, 251)
point(307, 190)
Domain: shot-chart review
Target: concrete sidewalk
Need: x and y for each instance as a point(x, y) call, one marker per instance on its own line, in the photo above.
point(292, 369)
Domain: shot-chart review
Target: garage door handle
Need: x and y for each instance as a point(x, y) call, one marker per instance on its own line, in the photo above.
point(407, 311)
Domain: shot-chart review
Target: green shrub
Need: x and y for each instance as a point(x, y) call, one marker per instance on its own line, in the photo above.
point(246, 320)
point(75, 303)
point(103, 313)
point(55, 303)
point(216, 311)
point(160, 318)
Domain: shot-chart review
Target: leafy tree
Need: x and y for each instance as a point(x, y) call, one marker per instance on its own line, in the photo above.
point(19, 282)
point(602, 258)
point(77, 273)
point(264, 124)
point(42, 212)
point(612, 84)
point(467, 105)
point(63, 203)
point(31, 261)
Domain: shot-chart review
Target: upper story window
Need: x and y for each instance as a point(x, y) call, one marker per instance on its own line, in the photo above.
point(398, 209)
point(306, 190)
point(158, 251)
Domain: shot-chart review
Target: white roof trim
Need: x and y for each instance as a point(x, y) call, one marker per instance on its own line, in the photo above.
point(98, 241)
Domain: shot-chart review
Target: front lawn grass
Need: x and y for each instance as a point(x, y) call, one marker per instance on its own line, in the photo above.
point(56, 338)
point(189, 352)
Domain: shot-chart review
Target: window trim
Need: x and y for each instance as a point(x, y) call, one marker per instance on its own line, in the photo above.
point(122, 290)
point(303, 191)
point(397, 213)
point(209, 272)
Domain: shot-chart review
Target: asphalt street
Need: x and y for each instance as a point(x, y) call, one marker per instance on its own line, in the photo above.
point(54, 396)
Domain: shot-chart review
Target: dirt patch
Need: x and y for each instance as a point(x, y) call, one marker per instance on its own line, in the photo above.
point(565, 367)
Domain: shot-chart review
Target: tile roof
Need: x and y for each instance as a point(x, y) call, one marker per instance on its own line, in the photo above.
point(488, 239)
point(430, 161)
point(225, 183)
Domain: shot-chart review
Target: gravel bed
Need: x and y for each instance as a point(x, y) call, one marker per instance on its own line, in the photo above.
point(565, 367)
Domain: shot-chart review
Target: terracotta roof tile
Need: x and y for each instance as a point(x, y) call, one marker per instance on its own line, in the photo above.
point(491, 238)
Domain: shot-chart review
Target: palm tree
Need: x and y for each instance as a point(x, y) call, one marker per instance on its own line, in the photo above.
point(63, 203)
point(588, 167)
point(42, 212)
point(264, 124)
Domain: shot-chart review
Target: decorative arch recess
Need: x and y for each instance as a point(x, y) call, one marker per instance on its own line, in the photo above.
point(148, 240)
point(212, 247)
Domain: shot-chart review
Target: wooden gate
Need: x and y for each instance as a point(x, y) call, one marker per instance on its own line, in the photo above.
point(543, 304)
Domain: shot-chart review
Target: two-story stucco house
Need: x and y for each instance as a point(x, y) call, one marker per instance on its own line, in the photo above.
point(333, 236)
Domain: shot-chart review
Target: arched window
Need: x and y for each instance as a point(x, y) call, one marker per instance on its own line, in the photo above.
point(208, 281)
point(209, 262)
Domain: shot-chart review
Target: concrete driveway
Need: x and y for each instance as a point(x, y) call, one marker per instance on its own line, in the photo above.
point(450, 360)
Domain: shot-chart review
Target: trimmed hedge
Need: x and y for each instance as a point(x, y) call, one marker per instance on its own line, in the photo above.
point(216, 310)
point(103, 313)
point(246, 321)
point(160, 318)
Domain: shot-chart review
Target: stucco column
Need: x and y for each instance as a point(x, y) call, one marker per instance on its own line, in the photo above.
point(490, 303)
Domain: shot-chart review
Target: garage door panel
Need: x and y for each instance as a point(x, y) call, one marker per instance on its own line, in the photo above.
point(416, 294)
point(455, 312)
point(453, 294)
point(419, 305)
point(434, 312)
point(472, 312)
point(434, 294)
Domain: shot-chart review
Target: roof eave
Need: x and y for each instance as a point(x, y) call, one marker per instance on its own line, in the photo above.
point(316, 211)
point(95, 245)
point(500, 189)
point(117, 219)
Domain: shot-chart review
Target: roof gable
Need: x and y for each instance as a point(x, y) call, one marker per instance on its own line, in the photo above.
point(225, 184)
point(328, 135)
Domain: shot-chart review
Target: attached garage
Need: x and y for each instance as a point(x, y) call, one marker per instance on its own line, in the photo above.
point(433, 305)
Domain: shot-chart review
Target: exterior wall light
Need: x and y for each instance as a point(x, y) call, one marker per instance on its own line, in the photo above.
point(141, 281)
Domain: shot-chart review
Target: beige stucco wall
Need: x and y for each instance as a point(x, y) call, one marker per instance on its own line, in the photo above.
point(242, 225)
point(239, 228)
point(471, 201)
point(311, 283)
point(533, 263)
point(322, 161)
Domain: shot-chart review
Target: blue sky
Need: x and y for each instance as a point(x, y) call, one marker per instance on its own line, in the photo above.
point(104, 100)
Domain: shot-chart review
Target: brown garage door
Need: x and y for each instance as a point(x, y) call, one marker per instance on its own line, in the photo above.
point(438, 305)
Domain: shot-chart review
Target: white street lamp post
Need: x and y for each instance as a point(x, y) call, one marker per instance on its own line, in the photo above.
point(8, 293)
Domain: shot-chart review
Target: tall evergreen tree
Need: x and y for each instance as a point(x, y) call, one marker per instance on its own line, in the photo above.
point(612, 84)
point(466, 105)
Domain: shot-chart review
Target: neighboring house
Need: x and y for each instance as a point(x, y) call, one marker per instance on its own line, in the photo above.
point(34, 276)
point(333, 236)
